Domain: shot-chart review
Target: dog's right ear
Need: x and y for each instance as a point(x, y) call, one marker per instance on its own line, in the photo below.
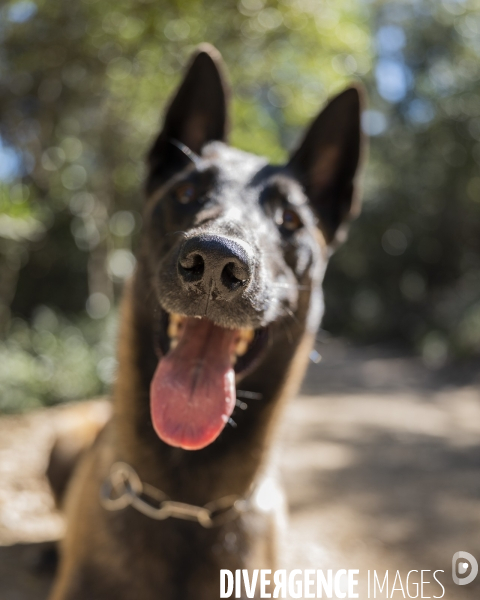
point(196, 115)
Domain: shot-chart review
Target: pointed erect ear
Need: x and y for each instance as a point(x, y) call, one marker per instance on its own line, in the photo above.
point(327, 159)
point(197, 114)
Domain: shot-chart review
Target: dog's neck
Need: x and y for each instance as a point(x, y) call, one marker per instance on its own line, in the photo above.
point(230, 464)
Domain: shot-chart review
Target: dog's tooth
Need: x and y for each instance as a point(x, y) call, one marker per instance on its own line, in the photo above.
point(176, 318)
point(241, 347)
point(175, 325)
point(173, 343)
point(172, 329)
point(247, 335)
point(244, 339)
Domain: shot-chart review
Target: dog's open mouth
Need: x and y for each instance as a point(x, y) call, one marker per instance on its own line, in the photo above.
point(193, 394)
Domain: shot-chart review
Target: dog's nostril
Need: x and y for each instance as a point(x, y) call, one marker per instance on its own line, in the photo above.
point(233, 276)
point(215, 263)
point(192, 261)
point(192, 267)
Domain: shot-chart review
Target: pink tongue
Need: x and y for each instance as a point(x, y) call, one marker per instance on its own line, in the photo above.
point(192, 394)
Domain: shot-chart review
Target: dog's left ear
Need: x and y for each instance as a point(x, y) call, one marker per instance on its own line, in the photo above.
point(197, 113)
point(327, 160)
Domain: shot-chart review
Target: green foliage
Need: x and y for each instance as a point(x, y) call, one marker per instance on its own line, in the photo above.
point(55, 360)
point(411, 268)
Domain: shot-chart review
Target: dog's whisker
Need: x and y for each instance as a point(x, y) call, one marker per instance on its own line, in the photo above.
point(190, 154)
point(177, 233)
point(291, 314)
point(290, 286)
point(249, 395)
point(241, 405)
point(286, 324)
point(288, 333)
point(150, 293)
point(232, 422)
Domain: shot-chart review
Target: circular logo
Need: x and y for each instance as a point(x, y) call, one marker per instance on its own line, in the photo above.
point(461, 561)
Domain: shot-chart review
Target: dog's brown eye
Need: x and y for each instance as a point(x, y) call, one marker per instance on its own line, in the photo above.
point(290, 220)
point(185, 193)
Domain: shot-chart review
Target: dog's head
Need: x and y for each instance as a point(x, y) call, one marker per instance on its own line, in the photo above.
point(234, 247)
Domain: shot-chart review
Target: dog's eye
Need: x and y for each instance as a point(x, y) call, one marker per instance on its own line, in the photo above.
point(290, 220)
point(185, 193)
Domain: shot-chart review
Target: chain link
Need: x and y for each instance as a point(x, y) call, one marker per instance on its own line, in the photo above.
point(123, 488)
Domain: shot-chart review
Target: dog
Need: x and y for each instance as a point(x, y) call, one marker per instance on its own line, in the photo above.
point(216, 329)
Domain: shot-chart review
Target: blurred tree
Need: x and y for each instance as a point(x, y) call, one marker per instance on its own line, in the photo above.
point(411, 268)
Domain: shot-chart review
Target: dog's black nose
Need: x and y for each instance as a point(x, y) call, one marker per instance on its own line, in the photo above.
point(216, 261)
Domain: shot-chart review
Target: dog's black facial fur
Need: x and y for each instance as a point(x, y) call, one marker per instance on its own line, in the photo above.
point(236, 198)
point(230, 237)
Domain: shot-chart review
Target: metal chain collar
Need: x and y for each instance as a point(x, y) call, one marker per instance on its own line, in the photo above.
point(123, 488)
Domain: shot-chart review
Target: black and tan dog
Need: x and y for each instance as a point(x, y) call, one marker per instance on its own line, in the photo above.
point(227, 293)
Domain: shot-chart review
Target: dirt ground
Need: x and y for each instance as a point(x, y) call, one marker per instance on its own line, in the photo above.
point(381, 462)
